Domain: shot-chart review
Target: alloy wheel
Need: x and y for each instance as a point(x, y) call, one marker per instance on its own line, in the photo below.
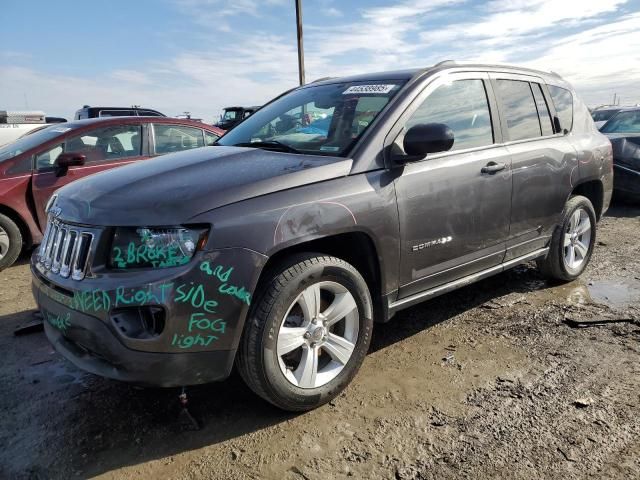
point(577, 239)
point(5, 243)
point(318, 335)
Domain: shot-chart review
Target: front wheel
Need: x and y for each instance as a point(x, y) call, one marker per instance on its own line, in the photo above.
point(572, 241)
point(10, 242)
point(308, 333)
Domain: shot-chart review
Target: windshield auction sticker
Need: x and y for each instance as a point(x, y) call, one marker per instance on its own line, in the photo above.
point(368, 89)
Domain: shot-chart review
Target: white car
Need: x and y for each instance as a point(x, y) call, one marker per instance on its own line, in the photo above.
point(13, 125)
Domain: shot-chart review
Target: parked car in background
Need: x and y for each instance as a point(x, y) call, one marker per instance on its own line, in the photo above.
point(36, 165)
point(14, 124)
point(623, 130)
point(55, 119)
point(233, 116)
point(276, 250)
point(135, 111)
point(602, 114)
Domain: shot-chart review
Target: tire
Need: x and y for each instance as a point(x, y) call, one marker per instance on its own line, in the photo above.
point(10, 242)
point(557, 264)
point(275, 357)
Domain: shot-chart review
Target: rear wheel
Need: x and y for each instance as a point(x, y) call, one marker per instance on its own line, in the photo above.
point(308, 333)
point(572, 241)
point(10, 242)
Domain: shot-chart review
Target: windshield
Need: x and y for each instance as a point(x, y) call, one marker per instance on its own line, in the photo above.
point(623, 122)
point(603, 115)
point(230, 115)
point(320, 120)
point(30, 141)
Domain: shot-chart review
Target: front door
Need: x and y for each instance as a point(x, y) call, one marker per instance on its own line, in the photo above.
point(454, 212)
point(103, 148)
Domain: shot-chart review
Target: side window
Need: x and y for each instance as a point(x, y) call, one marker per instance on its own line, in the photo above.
point(563, 101)
point(210, 138)
point(148, 113)
point(543, 110)
point(463, 106)
point(47, 158)
point(520, 112)
point(175, 138)
point(108, 143)
point(116, 113)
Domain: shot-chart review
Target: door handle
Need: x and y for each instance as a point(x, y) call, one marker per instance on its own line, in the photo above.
point(493, 167)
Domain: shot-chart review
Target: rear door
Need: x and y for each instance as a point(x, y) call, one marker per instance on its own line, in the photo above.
point(454, 218)
point(104, 148)
point(542, 160)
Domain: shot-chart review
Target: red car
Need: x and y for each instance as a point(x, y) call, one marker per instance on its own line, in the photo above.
point(34, 166)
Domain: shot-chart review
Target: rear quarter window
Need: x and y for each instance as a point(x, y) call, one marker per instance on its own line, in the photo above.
point(563, 101)
point(543, 110)
point(210, 138)
point(175, 138)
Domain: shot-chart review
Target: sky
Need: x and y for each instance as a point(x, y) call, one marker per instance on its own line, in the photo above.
point(202, 55)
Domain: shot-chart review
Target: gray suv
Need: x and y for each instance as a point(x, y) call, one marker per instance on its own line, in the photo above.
point(331, 208)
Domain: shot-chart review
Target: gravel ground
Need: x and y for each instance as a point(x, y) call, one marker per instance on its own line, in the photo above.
point(488, 381)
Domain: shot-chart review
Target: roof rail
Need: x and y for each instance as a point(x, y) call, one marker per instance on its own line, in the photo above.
point(322, 79)
point(444, 62)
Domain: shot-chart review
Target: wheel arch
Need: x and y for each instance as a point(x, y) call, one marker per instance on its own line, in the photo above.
point(356, 247)
point(594, 191)
point(27, 239)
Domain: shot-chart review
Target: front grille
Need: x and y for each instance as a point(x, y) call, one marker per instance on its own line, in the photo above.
point(65, 250)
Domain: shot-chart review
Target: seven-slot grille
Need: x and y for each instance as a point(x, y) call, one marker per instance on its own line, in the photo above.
point(65, 250)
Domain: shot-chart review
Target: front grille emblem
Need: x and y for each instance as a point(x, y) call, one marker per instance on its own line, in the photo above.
point(55, 212)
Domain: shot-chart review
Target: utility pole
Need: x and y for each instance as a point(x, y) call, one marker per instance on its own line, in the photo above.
point(300, 45)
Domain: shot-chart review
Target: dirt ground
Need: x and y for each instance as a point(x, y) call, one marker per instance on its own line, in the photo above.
point(488, 381)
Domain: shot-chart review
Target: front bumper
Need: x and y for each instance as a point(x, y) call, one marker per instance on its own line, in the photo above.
point(204, 304)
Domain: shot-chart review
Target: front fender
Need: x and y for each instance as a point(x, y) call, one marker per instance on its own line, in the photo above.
point(363, 203)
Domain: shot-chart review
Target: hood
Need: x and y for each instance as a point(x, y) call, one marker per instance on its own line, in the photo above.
point(626, 149)
point(171, 189)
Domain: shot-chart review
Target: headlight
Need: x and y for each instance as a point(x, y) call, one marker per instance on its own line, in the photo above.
point(151, 247)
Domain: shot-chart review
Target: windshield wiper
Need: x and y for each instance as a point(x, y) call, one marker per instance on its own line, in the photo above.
point(269, 145)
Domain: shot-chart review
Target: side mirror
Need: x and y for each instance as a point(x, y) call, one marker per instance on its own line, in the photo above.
point(426, 138)
point(66, 160)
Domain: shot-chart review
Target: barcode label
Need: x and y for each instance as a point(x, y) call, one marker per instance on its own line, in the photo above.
point(368, 89)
